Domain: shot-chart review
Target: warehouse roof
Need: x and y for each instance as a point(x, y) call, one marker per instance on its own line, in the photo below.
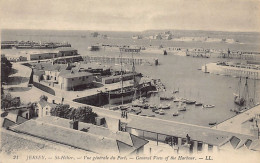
point(74, 138)
point(124, 137)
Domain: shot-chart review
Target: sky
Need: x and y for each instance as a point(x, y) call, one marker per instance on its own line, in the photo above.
point(131, 15)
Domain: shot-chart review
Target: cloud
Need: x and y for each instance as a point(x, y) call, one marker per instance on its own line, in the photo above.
point(242, 15)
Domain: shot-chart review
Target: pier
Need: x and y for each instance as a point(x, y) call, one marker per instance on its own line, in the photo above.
point(117, 60)
point(240, 55)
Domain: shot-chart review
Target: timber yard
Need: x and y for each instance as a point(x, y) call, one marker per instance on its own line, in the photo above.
point(126, 99)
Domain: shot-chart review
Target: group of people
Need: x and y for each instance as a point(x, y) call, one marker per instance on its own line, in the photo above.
point(124, 114)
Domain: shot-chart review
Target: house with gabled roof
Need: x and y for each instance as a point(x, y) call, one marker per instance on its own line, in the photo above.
point(44, 108)
point(65, 76)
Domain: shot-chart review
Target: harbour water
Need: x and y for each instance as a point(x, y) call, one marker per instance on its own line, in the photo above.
point(175, 72)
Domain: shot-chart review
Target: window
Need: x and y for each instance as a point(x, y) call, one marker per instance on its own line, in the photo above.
point(210, 148)
point(200, 146)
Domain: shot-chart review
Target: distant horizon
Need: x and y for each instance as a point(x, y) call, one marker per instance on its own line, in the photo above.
point(131, 30)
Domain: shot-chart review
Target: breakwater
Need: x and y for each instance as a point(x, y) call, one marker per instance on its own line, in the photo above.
point(231, 71)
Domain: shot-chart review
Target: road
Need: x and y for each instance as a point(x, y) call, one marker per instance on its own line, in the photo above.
point(21, 76)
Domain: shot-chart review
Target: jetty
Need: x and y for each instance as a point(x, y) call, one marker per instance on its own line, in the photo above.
point(117, 60)
point(233, 70)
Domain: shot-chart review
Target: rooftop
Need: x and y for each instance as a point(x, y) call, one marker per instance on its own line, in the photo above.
point(93, 66)
point(10, 119)
point(44, 103)
point(74, 73)
point(124, 137)
point(199, 133)
point(74, 138)
point(38, 72)
point(50, 67)
point(65, 70)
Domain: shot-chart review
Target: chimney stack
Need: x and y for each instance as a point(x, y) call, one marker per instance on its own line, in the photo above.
point(74, 125)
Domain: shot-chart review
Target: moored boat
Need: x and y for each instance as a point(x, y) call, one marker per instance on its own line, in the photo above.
point(212, 123)
point(177, 100)
point(175, 114)
point(145, 106)
point(154, 109)
point(161, 112)
point(166, 98)
point(190, 102)
point(182, 109)
point(198, 104)
point(166, 106)
point(153, 106)
point(208, 106)
point(181, 106)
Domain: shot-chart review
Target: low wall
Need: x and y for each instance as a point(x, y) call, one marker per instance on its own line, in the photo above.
point(44, 88)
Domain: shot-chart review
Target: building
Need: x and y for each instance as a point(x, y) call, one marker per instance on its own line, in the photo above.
point(84, 136)
point(38, 75)
point(66, 51)
point(23, 111)
point(15, 58)
point(9, 119)
point(75, 79)
point(37, 55)
point(60, 52)
point(44, 108)
point(52, 72)
point(63, 76)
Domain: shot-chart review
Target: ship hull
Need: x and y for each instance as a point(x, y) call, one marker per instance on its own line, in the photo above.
point(128, 96)
point(239, 101)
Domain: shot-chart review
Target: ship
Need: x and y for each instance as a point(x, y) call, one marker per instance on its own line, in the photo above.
point(129, 93)
point(239, 98)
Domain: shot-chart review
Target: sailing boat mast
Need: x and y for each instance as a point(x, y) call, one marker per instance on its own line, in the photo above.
point(239, 85)
point(254, 102)
point(122, 83)
point(246, 93)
